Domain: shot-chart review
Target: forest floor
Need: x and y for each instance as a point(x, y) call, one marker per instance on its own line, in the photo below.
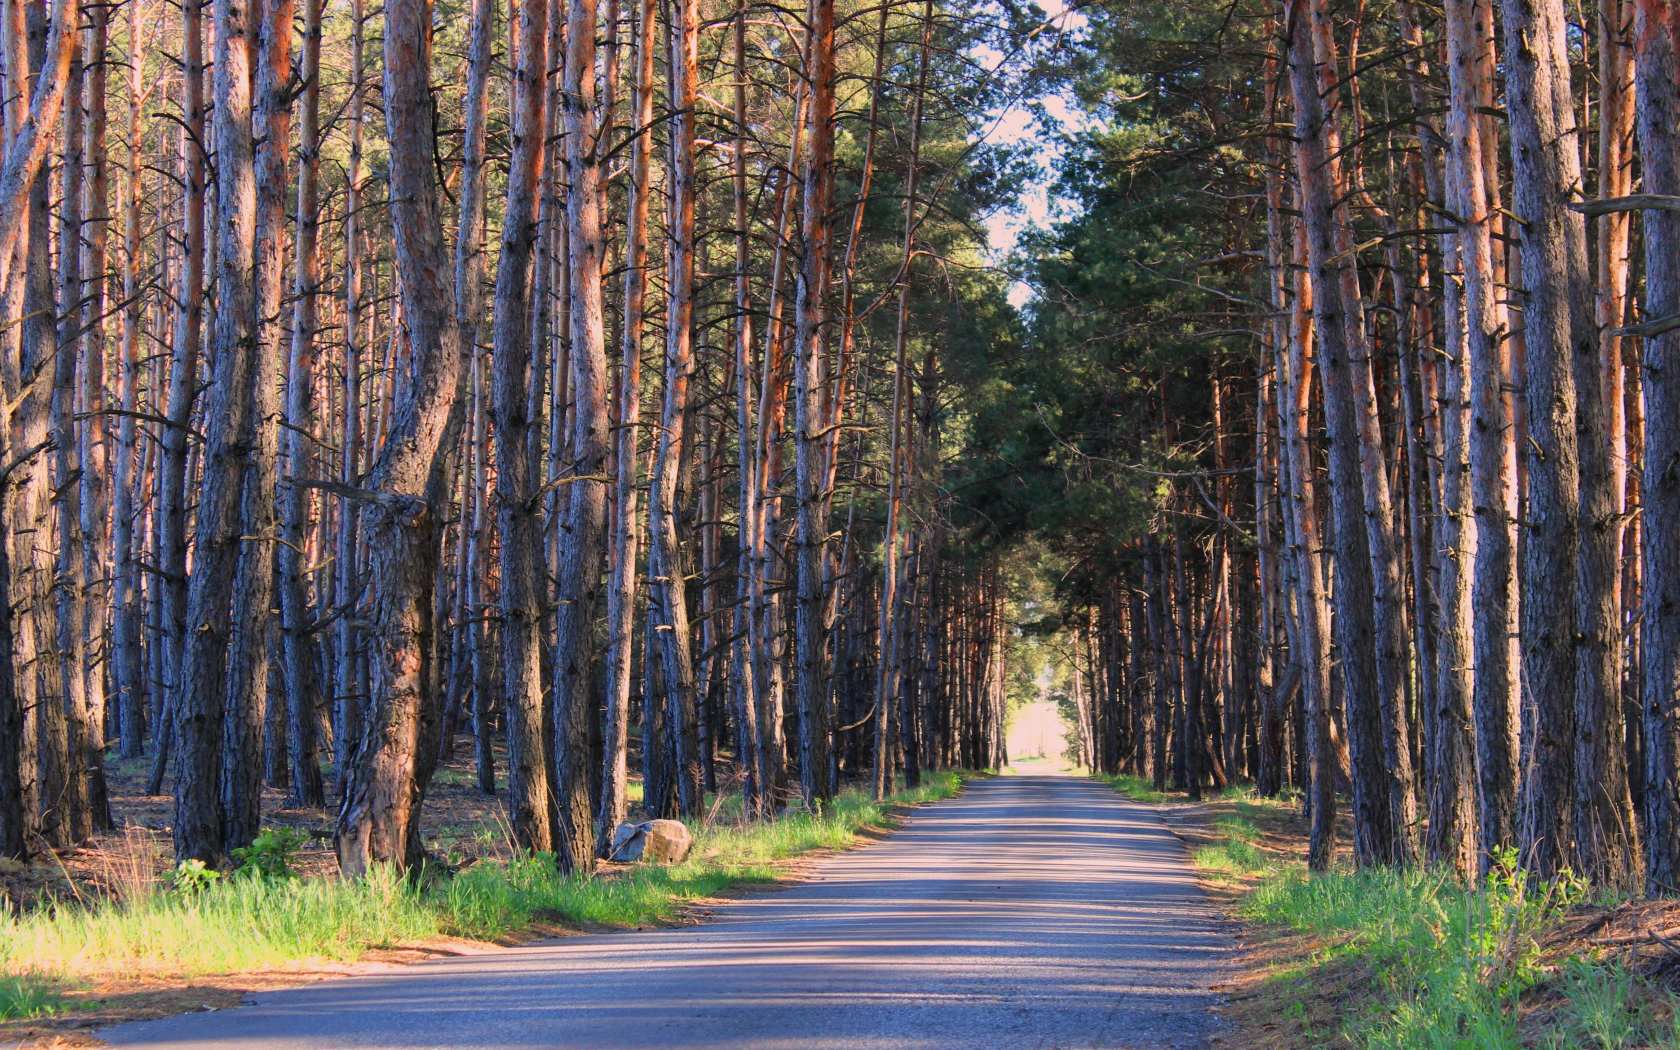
point(459, 822)
point(1378, 959)
point(505, 902)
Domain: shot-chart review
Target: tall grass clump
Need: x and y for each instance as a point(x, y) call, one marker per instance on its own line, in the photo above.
point(1454, 961)
point(230, 924)
point(1603, 1012)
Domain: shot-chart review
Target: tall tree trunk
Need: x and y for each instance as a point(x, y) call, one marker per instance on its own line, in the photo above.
point(668, 622)
point(765, 604)
point(810, 385)
point(25, 40)
point(584, 538)
point(230, 433)
point(350, 703)
point(469, 320)
point(1615, 179)
point(380, 820)
point(126, 609)
point(1657, 58)
point(909, 676)
point(253, 587)
point(621, 587)
point(1452, 801)
point(747, 703)
point(183, 386)
point(1606, 837)
point(297, 626)
point(1361, 637)
point(887, 677)
point(1301, 529)
point(1558, 329)
point(1492, 446)
point(69, 594)
point(1155, 585)
point(16, 818)
point(519, 539)
point(1271, 470)
point(1452, 811)
point(481, 662)
point(94, 450)
point(18, 803)
point(1192, 737)
point(32, 516)
point(1388, 600)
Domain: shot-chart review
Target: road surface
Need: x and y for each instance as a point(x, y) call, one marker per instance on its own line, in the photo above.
point(1033, 911)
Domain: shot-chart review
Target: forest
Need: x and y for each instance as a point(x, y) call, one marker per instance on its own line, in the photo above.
point(1368, 474)
point(632, 394)
point(570, 380)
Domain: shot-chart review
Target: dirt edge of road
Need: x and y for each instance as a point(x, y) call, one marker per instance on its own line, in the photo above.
point(1253, 1003)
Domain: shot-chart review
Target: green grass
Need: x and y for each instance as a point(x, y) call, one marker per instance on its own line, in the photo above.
point(235, 924)
point(491, 900)
point(1138, 789)
point(1236, 854)
point(24, 995)
point(1142, 789)
point(240, 923)
point(1451, 962)
point(455, 778)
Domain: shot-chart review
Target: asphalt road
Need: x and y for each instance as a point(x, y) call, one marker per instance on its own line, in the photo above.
point(1037, 911)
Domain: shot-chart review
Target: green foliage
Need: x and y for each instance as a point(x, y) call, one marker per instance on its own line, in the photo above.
point(24, 995)
point(1452, 961)
point(1083, 434)
point(191, 876)
point(1507, 917)
point(271, 854)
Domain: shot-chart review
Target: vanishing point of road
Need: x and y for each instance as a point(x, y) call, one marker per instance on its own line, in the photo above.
point(1032, 911)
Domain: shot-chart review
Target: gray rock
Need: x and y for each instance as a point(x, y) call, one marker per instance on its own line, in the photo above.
point(653, 841)
point(628, 840)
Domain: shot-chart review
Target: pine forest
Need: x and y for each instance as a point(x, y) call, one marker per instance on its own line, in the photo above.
point(637, 403)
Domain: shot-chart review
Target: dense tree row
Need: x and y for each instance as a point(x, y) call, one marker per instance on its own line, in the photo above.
point(1353, 412)
point(566, 374)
